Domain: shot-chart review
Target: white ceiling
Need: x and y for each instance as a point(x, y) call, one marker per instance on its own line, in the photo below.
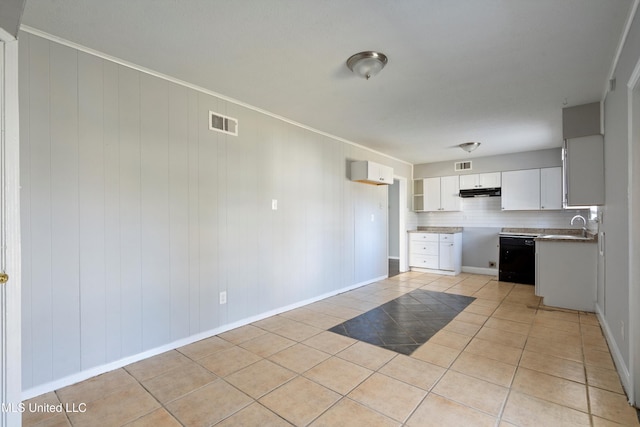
point(494, 71)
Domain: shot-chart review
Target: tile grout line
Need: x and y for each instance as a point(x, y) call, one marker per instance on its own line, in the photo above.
point(446, 370)
point(515, 372)
point(381, 295)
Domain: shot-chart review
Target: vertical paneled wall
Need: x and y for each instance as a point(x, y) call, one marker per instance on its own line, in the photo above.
point(136, 216)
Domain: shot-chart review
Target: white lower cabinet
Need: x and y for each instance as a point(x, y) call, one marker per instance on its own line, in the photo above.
point(436, 251)
point(566, 274)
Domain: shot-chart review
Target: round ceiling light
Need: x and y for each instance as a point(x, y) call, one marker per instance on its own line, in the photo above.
point(367, 64)
point(469, 146)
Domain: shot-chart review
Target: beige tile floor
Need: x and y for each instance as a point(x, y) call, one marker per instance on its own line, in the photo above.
point(504, 361)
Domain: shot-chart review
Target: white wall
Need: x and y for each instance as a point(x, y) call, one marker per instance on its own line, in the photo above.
point(135, 215)
point(615, 224)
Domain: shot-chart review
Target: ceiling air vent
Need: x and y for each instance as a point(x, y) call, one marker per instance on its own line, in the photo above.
point(223, 124)
point(463, 166)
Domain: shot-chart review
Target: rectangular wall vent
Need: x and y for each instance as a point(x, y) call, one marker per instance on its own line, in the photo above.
point(463, 166)
point(223, 124)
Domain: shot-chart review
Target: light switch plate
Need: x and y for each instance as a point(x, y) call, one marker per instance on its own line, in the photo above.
point(223, 297)
point(274, 204)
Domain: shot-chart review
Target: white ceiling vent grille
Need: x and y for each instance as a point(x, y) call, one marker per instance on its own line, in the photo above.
point(462, 166)
point(223, 124)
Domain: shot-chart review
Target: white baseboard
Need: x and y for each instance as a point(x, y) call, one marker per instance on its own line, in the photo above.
point(618, 360)
point(101, 369)
point(480, 270)
point(428, 270)
point(394, 257)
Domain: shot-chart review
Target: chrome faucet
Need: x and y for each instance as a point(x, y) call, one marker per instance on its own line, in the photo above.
point(584, 221)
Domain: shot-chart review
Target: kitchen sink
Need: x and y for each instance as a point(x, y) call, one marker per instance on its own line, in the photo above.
point(565, 237)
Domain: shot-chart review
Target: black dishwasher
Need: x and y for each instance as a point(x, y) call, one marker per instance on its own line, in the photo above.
point(517, 259)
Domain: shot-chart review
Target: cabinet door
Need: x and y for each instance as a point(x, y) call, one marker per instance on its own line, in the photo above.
point(521, 190)
point(469, 182)
point(446, 261)
point(584, 171)
point(385, 174)
point(489, 180)
point(432, 194)
point(450, 193)
point(551, 188)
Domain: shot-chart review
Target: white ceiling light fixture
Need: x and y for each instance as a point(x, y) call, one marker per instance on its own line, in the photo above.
point(469, 146)
point(367, 64)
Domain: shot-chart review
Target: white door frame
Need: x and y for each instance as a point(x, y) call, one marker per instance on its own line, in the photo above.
point(10, 329)
point(402, 224)
point(633, 188)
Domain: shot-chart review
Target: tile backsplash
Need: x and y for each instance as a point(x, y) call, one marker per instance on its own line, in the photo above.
point(487, 212)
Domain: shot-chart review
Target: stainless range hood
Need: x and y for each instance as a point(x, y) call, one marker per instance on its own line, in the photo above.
point(481, 192)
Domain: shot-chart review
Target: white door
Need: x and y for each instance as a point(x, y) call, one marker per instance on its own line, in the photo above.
point(10, 370)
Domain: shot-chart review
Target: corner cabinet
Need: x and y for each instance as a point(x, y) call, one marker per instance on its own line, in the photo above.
point(436, 194)
point(435, 252)
point(371, 173)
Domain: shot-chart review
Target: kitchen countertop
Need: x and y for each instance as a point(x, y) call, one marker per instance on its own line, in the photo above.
point(422, 229)
point(541, 233)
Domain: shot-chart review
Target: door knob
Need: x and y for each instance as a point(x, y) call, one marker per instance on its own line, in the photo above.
point(4, 278)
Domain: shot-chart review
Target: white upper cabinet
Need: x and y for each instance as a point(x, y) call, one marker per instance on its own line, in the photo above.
point(432, 194)
point(584, 171)
point(441, 194)
point(450, 193)
point(371, 173)
point(521, 190)
point(551, 188)
point(481, 180)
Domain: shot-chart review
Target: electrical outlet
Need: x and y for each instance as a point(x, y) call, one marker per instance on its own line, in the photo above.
point(223, 297)
point(274, 204)
point(372, 218)
point(492, 263)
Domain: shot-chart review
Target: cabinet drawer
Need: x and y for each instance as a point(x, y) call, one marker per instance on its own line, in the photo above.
point(423, 237)
point(424, 261)
point(423, 248)
point(446, 238)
